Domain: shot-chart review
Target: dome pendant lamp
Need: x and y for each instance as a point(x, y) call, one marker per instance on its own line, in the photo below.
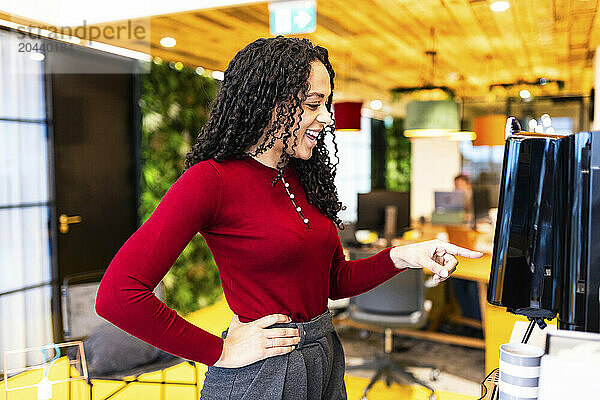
point(490, 130)
point(347, 115)
point(431, 118)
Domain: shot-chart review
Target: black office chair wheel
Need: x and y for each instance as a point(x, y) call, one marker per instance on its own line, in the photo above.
point(435, 374)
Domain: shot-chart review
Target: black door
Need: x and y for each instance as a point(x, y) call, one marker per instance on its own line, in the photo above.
point(94, 123)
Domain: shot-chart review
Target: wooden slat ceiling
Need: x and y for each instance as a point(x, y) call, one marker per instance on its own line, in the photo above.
point(381, 44)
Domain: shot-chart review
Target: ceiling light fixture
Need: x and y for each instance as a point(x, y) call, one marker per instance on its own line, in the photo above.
point(347, 115)
point(490, 130)
point(431, 118)
point(376, 105)
point(499, 6)
point(168, 41)
point(462, 136)
point(560, 84)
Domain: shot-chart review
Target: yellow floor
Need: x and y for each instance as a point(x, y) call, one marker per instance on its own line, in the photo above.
point(215, 319)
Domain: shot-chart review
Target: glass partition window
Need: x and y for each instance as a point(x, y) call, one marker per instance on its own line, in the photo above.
point(354, 169)
point(25, 262)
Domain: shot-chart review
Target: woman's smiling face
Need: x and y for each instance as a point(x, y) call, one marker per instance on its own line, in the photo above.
point(310, 125)
point(315, 115)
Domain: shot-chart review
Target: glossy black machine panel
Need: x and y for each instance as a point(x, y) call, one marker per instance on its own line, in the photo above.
point(547, 245)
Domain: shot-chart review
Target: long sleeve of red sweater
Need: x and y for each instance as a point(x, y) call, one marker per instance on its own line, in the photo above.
point(125, 296)
point(270, 261)
point(353, 277)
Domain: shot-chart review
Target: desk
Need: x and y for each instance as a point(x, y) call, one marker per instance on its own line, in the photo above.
point(472, 269)
point(477, 270)
point(497, 322)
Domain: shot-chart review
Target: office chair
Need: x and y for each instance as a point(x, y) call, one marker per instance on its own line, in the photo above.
point(398, 303)
point(78, 296)
point(101, 340)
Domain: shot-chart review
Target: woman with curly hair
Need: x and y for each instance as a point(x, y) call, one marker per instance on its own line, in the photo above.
point(259, 186)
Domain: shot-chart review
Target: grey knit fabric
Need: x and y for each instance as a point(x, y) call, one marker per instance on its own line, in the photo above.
point(312, 371)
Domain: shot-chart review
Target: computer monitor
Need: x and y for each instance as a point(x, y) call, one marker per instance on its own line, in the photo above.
point(449, 201)
point(372, 210)
point(481, 203)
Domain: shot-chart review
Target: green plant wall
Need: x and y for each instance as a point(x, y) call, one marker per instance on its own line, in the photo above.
point(397, 175)
point(175, 105)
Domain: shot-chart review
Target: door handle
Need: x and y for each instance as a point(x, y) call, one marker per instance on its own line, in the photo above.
point(64, 221)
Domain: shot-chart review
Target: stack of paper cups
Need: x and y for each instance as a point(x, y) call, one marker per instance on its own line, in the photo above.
point(519, 371)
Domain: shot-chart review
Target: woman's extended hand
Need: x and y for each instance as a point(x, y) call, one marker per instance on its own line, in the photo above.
point(435, 255)
point(249, 342)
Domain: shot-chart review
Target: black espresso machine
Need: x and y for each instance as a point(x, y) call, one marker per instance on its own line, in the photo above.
point(546, 260)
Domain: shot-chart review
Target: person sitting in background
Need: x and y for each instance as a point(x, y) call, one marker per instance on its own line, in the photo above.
point(466, 292)
point(462, 183)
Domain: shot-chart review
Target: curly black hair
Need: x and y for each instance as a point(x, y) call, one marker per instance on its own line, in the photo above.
point(271, 74)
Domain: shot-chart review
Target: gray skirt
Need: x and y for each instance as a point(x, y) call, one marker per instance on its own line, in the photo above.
point(313, 370)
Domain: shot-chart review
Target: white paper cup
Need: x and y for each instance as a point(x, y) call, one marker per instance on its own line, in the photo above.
point(519, 371)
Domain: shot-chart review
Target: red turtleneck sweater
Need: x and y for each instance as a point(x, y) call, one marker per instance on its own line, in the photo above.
point(269, 260)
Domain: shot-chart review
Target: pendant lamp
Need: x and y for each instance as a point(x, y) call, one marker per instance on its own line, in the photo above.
point(347, 115)
point(489, 130)
point(462, 136)
point(431, 118)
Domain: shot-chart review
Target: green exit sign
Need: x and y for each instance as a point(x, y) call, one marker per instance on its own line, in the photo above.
point(292, 17)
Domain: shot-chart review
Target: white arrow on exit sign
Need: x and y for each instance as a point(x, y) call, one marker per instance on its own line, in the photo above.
point(302, 19)
point(292, 17)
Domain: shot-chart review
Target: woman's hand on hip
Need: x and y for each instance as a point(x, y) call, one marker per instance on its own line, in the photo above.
point(249, 342)
point(435, 255)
